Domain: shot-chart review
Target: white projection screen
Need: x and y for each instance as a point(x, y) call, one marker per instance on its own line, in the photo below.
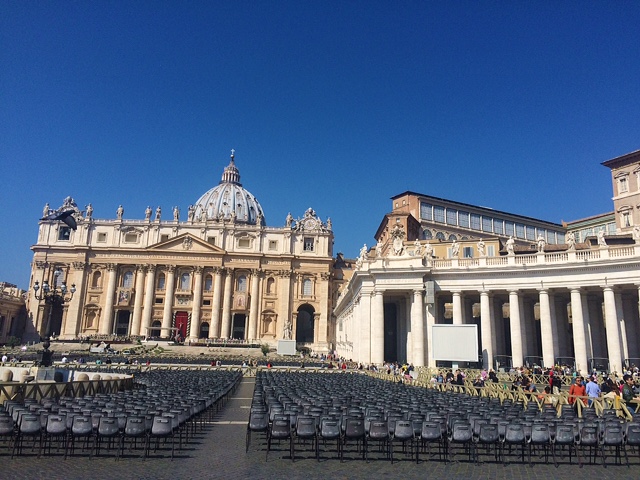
point(455, 343)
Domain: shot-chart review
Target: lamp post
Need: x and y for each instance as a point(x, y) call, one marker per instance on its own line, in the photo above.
point(52, 295)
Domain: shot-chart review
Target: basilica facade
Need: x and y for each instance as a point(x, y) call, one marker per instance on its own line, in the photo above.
point(220, 273)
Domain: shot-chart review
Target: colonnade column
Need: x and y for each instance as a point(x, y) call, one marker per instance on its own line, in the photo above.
point(417, 328)
point(614, 346)
point(285, 304)
point(214, 328)
point(363, 334)
point(457, 308)
point(197, 304)
point(377, 328)
point(579, 337)
point(107, 314)
point(487, 331)
point(226, 305)
point(167, 313)
point(546, 329)
point(137, 303)
point(255, 297)
point(149, 294)
point(431, 320)
point(622, 321)
point(73, 320)
point(516, 329)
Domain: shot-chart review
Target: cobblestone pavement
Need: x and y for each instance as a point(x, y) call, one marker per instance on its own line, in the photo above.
point(219, 452)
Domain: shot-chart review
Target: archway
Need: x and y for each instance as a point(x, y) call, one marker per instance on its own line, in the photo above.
point(305, 325)
point(239, 322)
point(204, 330)
point(154, 331)
point(122, 322)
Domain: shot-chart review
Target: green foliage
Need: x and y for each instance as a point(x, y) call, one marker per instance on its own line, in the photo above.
point(264, 348)
point(13, 341)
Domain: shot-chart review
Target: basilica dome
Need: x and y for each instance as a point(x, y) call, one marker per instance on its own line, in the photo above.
point(229, 199)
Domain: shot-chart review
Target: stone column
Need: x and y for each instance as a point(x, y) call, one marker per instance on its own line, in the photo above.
point(149, 295)
point(167, 313)
point(214, 328)
point(417, 328)
point(457, 308)
point(73, 320)
point(630, 313)
point(431, 321)
point(226, 305)
point(579, 331)
point(377, 328)
point(363, 334)
point(322, 341)
point(546, 329)
point(137, 302)
point(487, 332)
point(107, 315)
point(516, 329)
point(255, 302)
point(614, 346)
point(622, 321)
point(197, 304)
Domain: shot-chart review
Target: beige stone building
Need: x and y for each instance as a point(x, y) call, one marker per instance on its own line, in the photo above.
point(12, 311)
point(218, 272)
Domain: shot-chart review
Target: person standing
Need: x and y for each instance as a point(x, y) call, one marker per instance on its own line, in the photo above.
point(592, 389)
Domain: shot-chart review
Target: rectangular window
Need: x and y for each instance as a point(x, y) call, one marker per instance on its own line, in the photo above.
point(531, 233)
point(426, 211)
point(206, 303)
point(487, 224)
point(463, 219)
point(491, 251)
point(244, 242)
point(560, 237)
point(452, 216)
point(273, 244)
point(623, 185)
point(508, 228)
point(551, 237)
point(131, 238)
point(438, 214)
point(467, 252)
point(498, 226)
point(475, 221)
point(164, 237)
point(102, 237)
point(159, 300)
point(64, 234)
point(211, 240)
point(519, 230)
point(308, 244)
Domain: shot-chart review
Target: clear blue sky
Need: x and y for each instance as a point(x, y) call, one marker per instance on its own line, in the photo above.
point(335, 105)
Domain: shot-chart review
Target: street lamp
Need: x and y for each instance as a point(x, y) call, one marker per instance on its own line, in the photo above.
point(52, 295)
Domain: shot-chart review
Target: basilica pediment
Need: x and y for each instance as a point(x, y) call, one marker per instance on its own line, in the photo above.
point(186, 243)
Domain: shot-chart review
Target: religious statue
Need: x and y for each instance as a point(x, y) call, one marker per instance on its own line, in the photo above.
point(571, 240)
point(289, 220)
point(417, 248)
point(89, 209)
point(510, 244)
point(601, 240)
point(636, 233)
point(46, 210)
point(176, 214)
point(428, 250)
point(481, 248)
point(363, 252)
point(191, 212)
point(329, 226)
point(147, 213)
point(455, 249)
point(158, 212)
point(541, 243)
point(379, 246)
point(287, 331)
point(259, 218)
point(119, 212)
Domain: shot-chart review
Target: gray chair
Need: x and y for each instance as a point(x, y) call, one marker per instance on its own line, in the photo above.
point(81, 428)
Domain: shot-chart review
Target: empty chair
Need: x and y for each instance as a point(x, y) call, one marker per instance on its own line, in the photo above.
point(403, 433)
point(56, 429)
point(7, 430)
point(133, 431)
point(258, 423)
point(541, 437)
point(80, 428)
point(461, 435)
point(589, 437)
point(108, 432)
point(305, 429)
point(279, 430)
point(566, 437)
point(379, 433)
point(29, 427)
point(487, 437)
point(613, 438)
point(328, 430)
point(431, 432)
point(514, 435)
point(633, 436)
point(354, 430)
point(161, 428)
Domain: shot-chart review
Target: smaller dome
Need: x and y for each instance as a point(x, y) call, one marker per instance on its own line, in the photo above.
point(229, 199)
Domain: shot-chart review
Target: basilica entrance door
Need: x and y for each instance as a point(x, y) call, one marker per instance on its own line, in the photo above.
point(239, 321)
point(122, 322)
point(182, 319)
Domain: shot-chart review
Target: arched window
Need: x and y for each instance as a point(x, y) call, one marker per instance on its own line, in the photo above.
point(271, 285)
point(208, 283)
point(242, 283)
point(96, 280)
point(440, 236)
point(160, 282)
point(427, 235)
point(452, 238)
point(185, 281)
point(307, 287)
point(127, 279)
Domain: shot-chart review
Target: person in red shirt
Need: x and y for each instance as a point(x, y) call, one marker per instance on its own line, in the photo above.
point(577, 390)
